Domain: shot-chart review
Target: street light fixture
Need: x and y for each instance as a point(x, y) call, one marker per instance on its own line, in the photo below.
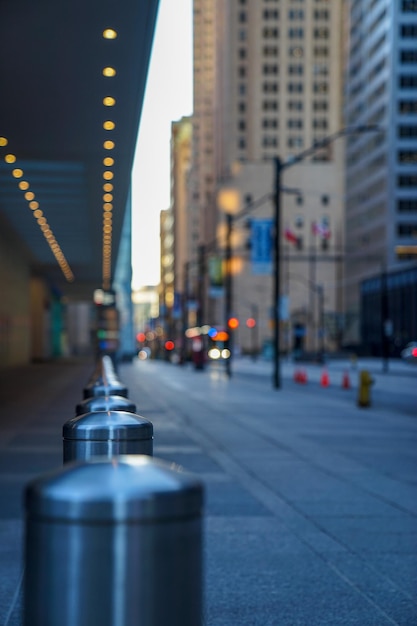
point(280, 166)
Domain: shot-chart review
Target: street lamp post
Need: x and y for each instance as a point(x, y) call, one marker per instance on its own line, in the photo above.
point(228, 290)
point(280, 166)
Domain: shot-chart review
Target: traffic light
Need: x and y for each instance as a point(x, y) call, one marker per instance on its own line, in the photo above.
point(251, 322)
point(233, 323)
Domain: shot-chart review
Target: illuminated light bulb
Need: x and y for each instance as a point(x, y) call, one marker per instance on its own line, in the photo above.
point(3, 141)
point(109, 101)
point(23, 185)
point(108, 187)
point(109, 71)
point(108, 145)
point(41, 221)
point(38, 213)
point(17, 173)
point(29, 195)
point(10, 158)
point(108, 161)
point(107, 206)
point(107, 197)
point(33, 205)
point(109, 33)
point(107, 175)
point(109, 125)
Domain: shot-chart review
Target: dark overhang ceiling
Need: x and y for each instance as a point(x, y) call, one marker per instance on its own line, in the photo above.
point(52, 55)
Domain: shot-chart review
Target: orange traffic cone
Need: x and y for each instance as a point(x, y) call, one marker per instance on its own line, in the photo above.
point(345, 381)
point(325, 381)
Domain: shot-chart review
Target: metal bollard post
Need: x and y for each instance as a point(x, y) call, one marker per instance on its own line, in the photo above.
point(105, 403)
point(114, 543)
point(104, 388)
point(108, 434)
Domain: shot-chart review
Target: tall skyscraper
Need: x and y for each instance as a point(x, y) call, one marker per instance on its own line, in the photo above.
point(381, 189)
point(267, 83)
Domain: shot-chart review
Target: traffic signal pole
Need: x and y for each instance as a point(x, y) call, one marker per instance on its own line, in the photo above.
point(276, 274)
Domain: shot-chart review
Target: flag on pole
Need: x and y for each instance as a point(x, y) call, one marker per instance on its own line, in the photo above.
point(290, 236)
point(321, 229)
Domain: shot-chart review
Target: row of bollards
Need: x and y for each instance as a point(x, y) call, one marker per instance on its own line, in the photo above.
point(114, 537)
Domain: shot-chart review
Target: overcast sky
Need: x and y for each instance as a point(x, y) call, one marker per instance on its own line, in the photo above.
point(168, 97)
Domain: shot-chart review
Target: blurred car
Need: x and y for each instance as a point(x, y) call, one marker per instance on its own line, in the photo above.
point(409, 353)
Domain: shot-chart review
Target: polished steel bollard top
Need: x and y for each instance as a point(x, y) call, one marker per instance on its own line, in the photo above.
point(107, 425)
point(105, 403)
point(124, 489)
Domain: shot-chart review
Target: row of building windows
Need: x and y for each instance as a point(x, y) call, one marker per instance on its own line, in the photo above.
point(409, 6)
point(407, 230)
point(407, 206)
point(268, 69)
point(408, 81)
point(293, 33)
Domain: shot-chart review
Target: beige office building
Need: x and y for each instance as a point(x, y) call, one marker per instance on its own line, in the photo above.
point(267, 83)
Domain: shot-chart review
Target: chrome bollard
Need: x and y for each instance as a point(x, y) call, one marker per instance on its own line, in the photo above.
point(105, 403)
point(108, 434)
point(104, 388)
point(114, 543)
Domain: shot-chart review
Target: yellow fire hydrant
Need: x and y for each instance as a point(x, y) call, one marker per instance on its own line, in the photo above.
point(364, 389)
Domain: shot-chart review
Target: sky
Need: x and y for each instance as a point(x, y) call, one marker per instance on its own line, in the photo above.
point(168, 97)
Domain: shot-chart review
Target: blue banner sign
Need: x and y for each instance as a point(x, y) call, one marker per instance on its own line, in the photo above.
point(261, 249)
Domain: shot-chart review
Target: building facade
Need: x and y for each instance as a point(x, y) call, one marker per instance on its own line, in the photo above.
point(267, 83)
point(381, 169)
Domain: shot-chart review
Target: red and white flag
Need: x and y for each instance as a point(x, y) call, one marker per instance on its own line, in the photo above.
point(290, 236)
point(321, 229)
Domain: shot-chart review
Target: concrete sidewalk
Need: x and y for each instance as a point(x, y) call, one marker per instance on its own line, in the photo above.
point(311, 503)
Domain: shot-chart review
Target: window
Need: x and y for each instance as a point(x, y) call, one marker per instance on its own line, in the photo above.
point(407, 107)
point(270, 123)
point(270, 51)
point(297, 70)
point(270, 69)
point(408, 81)
point(295, 123)
point(270, 142)
point(407, 180)
point(321, 51)
point(321, 14)
point(320, 105)
point(271, 14)
point(295, 87)
point(409, 31)
point(270, 105)
point(320, 87)
point(409, 6)
point(242, 53)
point(407, 230)
point(296, 33)
point(408, 56)
point(295, 142)
point(241, 107)
point(241, 125)
point(407, 131)
point(242, 143)
point(407, 156)
point(242, 16)
point(296, 14)
point(295, 105)
point(242, 71)
point(320, 124)
point(407, 206)
point(270, 33)
point(321, 33)
point(270, 87)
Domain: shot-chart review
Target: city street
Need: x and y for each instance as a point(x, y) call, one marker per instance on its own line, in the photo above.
point(311, 501)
